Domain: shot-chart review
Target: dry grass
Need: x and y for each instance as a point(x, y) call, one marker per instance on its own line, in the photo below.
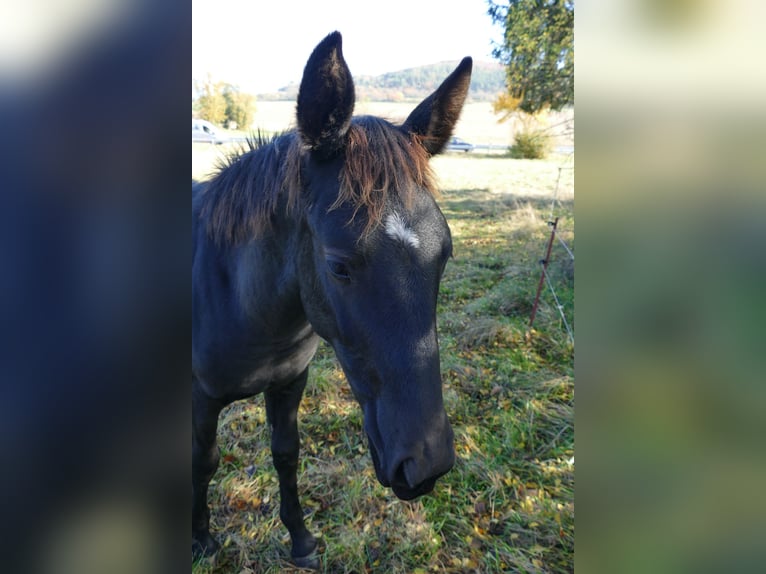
point(478, 124)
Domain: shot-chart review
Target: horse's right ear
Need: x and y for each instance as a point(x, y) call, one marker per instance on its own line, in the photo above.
point(325, 99)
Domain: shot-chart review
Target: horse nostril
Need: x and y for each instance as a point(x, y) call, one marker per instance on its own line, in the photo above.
point(409, 480)
point(409, 469)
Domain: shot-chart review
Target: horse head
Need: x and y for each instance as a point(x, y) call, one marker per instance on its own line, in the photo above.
point(376, 245)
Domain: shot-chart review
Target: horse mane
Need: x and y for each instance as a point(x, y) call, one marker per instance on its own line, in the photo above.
point(242, 198)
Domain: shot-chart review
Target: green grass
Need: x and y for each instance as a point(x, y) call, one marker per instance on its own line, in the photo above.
point(508, 505)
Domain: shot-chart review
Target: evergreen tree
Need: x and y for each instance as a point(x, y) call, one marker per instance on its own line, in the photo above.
point(537, 51)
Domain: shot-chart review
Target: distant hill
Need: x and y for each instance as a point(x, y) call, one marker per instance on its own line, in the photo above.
point(414, 84)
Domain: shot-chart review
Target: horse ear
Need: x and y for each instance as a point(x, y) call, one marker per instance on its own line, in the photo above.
point(435, 118)
point(325, 98)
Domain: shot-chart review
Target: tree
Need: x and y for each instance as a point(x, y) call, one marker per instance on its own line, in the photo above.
point(538, 53)
point(211, 104)
point(221, 103)
point(239, 106)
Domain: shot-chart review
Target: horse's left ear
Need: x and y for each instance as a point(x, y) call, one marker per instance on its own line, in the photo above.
point(435, 118)
point(325, 99)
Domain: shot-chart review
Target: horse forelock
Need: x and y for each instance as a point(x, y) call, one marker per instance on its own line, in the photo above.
point(380, 161)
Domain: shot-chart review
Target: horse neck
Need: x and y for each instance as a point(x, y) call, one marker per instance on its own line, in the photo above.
point(270, 269)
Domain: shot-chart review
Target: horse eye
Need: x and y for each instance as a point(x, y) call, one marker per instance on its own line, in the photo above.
point(338, 269)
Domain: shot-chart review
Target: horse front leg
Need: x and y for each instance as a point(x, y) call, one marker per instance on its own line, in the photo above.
point(205, 457)
point(282, 411)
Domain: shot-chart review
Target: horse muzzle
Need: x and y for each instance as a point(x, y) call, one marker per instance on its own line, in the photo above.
point(412, 476)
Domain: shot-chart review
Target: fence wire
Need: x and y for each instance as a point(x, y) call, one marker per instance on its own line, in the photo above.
point(564, 245)
point(555, 197)
point(544, 263)
point(559, 306)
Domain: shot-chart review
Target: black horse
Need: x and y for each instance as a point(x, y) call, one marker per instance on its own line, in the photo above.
point(327, 231)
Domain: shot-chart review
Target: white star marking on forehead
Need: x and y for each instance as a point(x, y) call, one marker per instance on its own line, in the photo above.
point(396, 228)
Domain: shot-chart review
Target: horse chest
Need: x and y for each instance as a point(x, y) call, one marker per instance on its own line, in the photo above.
point(246, 366)
point(280, 365)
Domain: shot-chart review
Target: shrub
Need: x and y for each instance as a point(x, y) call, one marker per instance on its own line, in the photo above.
point(529, 145)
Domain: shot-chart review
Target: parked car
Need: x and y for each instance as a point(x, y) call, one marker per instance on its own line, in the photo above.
point(204, 131)
point(456, 144)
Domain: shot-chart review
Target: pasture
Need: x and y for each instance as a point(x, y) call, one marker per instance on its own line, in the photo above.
point(478, 124)
point(508, 505)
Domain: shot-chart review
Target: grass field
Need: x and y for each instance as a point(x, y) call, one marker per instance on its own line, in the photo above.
point(508, 505)
point(478, 124)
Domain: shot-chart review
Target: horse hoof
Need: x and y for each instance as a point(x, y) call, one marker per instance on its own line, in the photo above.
point(310, 562)
point(304, 552)
point(204, 546)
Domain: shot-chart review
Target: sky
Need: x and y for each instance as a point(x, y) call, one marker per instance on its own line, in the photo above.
point(262, 46)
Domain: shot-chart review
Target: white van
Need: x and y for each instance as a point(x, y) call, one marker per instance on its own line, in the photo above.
point(204, 131)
